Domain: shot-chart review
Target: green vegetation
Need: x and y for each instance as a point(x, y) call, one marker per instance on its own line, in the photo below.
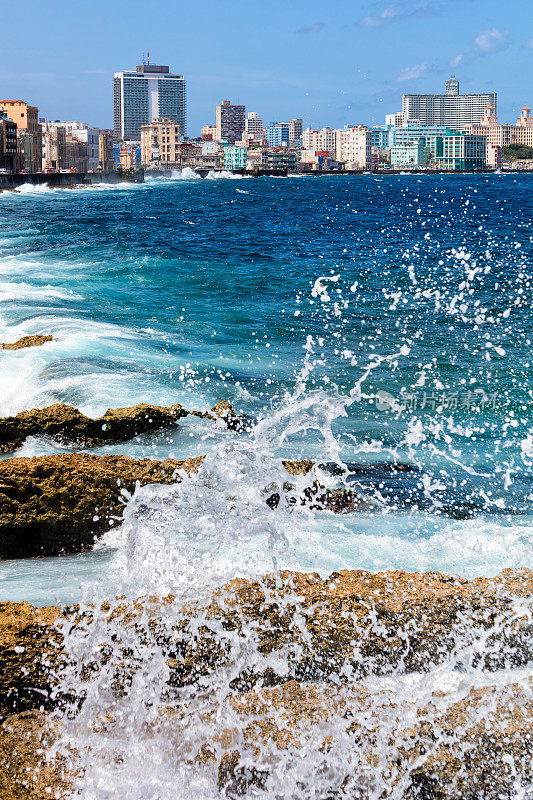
point(517, 151)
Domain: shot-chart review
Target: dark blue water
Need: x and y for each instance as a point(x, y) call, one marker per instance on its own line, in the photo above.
point(363, 319)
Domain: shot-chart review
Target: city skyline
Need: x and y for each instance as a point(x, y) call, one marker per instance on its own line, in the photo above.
point(352, 69)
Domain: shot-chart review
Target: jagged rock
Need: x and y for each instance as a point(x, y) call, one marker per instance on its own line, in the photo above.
point(30, 654)
point(60, 503)
point(480, 746)
point(67, 425)
point(26, 770)
point(348, 625)
point(27, 341)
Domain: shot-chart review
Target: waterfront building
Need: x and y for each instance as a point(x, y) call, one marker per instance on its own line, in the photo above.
point(160, 143)
point(151, 92)
point(295, 131)
point(127, 155)
point(461, 151)
point(380, 137)
point(277, 134)
point(81, 132)
point(235, 157)
point(8, 144)
point(494, 156)
point(26, 118)
point(282, 159)
point(230, 122)
point(451, 109)
point(212, 161)
point(317, 160)
point(54, 148)
point(256, 159)
point(105, 150)
point(504, 135)
point(210, 148)
point(322, 140)
point(354, 147)
point(416, 154)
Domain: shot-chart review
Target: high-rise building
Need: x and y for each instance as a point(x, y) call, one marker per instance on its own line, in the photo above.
point(152, 92)
point(230, 122)
point(277, 134)
point(254, 126)
point(451, 109)
point(295, 130)
point(26, 119)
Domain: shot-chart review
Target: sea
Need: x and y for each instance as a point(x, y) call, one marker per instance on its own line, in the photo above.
point(361, 322)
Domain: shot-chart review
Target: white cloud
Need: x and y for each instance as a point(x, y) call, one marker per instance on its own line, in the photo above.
point(315, 28)
point(489, 41)
point(395, 13)
point(412, 73)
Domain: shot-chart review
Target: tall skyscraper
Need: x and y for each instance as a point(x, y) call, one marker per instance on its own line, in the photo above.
point(452, 110)
point(230, 122)
point(152, 92)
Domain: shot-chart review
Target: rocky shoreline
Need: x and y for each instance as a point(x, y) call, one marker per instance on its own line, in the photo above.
point(352, 624)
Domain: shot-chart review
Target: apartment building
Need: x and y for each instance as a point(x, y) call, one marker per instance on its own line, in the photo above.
point(230, 122)
point(151, 92)
point(160, 143)
point(26, 118)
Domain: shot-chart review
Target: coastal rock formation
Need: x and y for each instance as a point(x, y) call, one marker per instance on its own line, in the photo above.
point(27, 341)
point(30, 654)
point(353, 623)
point(480, 746)
point(67, 425)
point(27, 772)
point(319, 638)
point(60, 503)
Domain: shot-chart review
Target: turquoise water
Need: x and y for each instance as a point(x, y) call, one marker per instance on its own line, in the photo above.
point(358, 320)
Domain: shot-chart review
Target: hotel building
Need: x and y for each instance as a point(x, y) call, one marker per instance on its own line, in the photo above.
point(152, 92)
point(452, 110)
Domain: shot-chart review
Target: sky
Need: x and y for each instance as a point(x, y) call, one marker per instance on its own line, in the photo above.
point(331, 63)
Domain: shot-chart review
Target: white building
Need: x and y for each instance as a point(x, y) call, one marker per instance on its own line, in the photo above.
point(151, 92)
point(82, 133)
point(254, 127)
point(354, 147)
point(320, 141)
point(209, 131)
point(396, 120)
point(451, 110)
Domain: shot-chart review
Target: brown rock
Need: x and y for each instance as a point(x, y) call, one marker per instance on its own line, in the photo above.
point(60, 503)
point(27, 341)
point(26, 770)
point(480, 746)
point(67, 425)
point(30, 654)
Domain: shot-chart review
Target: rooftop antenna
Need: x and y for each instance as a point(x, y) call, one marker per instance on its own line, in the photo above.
point(143, 60)
point(148, 56)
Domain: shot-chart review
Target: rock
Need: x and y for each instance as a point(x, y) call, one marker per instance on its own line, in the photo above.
point(479, 746)
point(67, 425)
point(60, 503)
point(27, 341)
point(30, 654)
point(27, 772)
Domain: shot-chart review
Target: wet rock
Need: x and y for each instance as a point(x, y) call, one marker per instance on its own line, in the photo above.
point(27, 771)
point(27, 341)
point(67, 425)
point(450, 748)
point(30, 655)
point(60, 503)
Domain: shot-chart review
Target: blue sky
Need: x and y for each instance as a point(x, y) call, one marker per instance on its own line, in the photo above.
point(329, 63)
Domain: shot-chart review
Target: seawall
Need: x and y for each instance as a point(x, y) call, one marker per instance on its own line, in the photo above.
point(63, 179)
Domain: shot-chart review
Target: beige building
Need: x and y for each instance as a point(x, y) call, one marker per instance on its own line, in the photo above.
point(323, 140)
point(354, 147)
point(160, 143)
point(54, 149)
point(26, 118)
point(105, 151)
point(209, 132)
point(503, 135)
